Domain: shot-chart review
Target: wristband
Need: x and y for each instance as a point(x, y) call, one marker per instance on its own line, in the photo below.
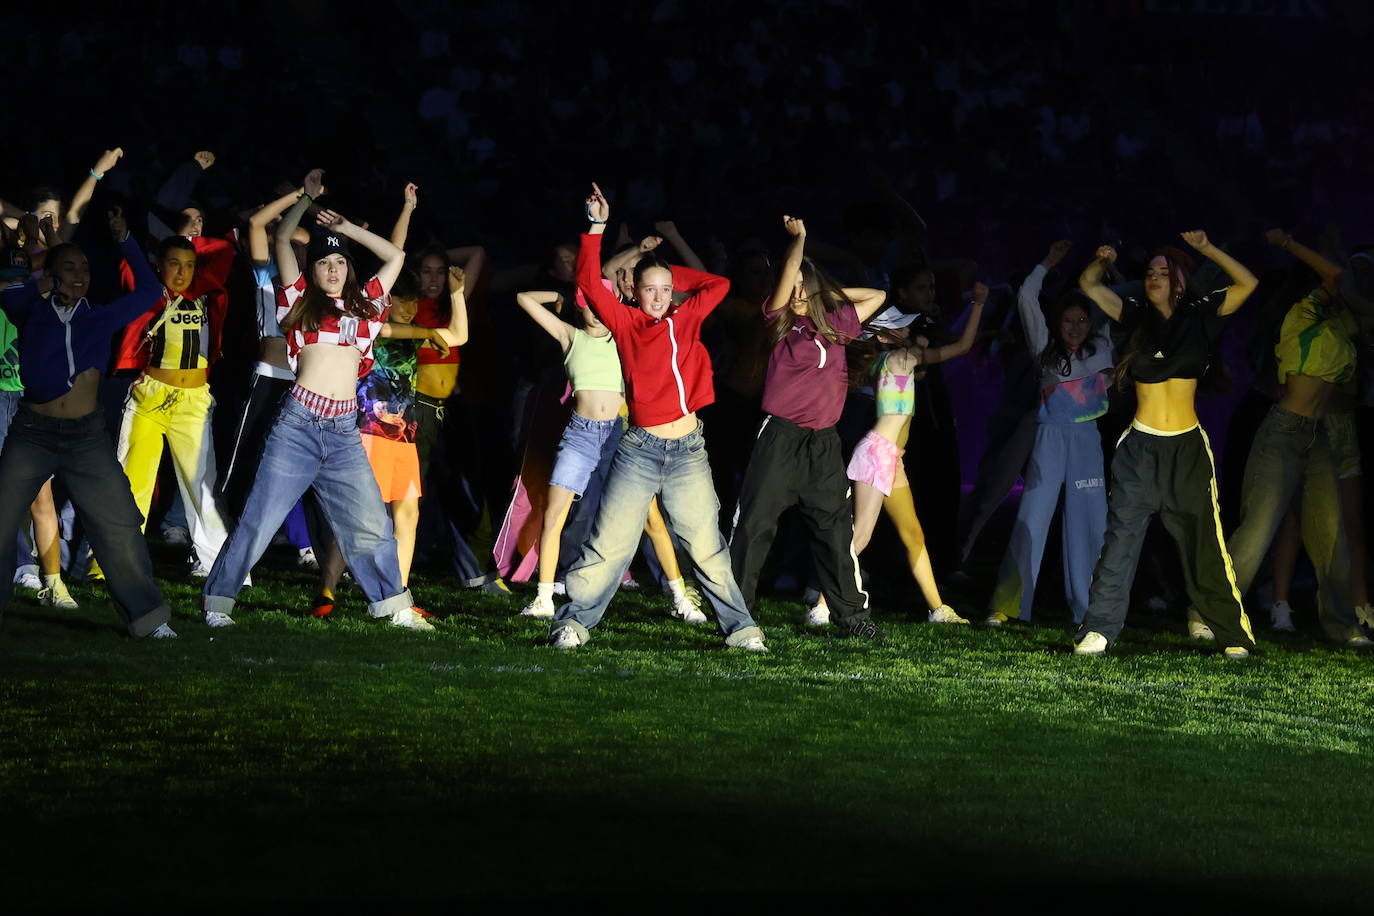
point(588, 210)
point(305, 196)
point(97, 175)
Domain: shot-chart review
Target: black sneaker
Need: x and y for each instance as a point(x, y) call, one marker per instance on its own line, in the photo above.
point(862, 628)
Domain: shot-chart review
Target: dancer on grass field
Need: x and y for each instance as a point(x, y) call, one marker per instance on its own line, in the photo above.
point(797, 459)
point(1292, 452)
point(588, 446)
point(668, 378)
point(1075, 365)
point(1163, 462)
point(64, 344)
point(331, 322)
point(876, 467)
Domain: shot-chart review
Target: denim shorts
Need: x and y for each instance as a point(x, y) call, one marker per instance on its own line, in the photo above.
point(580, 451)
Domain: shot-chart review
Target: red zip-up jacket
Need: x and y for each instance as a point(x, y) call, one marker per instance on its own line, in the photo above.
point(214, 258)
point(667, 370)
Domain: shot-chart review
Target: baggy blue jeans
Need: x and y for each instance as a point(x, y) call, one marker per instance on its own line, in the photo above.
point(678, 473)
point(304, 450)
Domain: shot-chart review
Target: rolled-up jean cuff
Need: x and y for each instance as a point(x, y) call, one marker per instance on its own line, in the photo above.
point(578, 628)
point(217, 603)
point(147, 623)
point(743, 635)
point(484, 579)
point(388, 606)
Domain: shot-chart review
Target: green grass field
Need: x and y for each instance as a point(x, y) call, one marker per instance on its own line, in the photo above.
point(288, 759)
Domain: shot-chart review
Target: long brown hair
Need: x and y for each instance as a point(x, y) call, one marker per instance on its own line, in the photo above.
point(827, 299)
point(1180, 266)
point(310, 309)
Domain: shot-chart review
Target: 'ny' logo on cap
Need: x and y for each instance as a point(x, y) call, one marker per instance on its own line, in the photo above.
point(332, 241)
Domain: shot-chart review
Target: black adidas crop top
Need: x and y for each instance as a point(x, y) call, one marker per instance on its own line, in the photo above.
point(1176, 347)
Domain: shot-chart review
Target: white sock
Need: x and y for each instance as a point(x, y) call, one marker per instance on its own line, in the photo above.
point(677, 589)
point(546, 591)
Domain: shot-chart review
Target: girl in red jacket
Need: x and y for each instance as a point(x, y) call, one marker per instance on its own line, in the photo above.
point(667, 379)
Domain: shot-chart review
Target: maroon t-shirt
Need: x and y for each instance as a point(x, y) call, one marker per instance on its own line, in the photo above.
point(807, 376)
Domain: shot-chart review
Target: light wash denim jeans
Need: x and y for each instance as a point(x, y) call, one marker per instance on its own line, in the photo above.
point(678, 473)
point(1292, 456)
point(302, 451)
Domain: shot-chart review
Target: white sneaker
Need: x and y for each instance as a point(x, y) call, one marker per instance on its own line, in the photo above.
point(688, 607)
point(565, 638)
point(995, 619)
point(1281, 616)
point(411, 620)
point(199, 570)
point(1235, 652)
point(57, 597)
point(628, 581)
point(1359, 641)
point(305, 559)
point(1365, 614)
point(818, 616)
point(31, 582)
point(538, 607)
point(1092, 644)
point(752, 644)
point(944, 614)
point(1197, 629)
point(176, 535)
point(163, 632)
point(218, 619)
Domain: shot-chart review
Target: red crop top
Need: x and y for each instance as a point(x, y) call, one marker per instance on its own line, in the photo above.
point(336, 328)
point(428, 314)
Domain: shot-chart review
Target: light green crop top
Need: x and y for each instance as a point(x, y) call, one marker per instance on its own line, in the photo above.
point(1316, 341)
point(593, 364)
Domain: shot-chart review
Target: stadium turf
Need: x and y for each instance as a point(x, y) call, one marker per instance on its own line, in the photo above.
point(289, 759)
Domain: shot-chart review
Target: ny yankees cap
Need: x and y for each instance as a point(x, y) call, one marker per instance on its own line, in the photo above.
point(325, 244)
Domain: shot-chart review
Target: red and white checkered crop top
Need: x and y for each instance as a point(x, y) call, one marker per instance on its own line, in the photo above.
point(336, 328)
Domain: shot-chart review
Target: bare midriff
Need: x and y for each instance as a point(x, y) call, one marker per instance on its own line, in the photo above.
point(178, 378)
point(600, 405)
point(676, 429)
point(437, 380)
point(1168, 405)
point(1307, 396)
point(79, 400)
point(329, 370)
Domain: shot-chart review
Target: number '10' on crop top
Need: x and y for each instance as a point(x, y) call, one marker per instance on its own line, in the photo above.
point(336, 327)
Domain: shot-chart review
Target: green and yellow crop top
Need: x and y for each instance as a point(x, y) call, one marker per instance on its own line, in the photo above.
point(1316, 340)
point(895, 394)
point(593, 364)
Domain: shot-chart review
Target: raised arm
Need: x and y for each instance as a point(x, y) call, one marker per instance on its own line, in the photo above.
point(1329, 272)
point(472, 259)
point(393, 258)
point(1028, 298)
point(791, 264)
point(1090, 282)
point(287, 269)
point(536, 305)
point(456, 332)
point(108, 160)
point(626, 260)
point(410, 200)
point(258, 250)
point(1243, 282)
point(667, 230)
point(970, 334)
point(433, 336)
point(866, 301)
point(176, 191)
point(147, 288)
point(609, 309)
